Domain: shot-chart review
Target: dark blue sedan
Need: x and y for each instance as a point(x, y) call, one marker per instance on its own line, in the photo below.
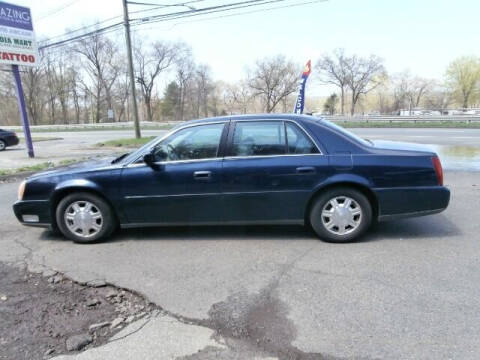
point(7, 138)
point(255, 169)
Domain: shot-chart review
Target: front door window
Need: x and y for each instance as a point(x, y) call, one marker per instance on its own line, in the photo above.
point(192, 143)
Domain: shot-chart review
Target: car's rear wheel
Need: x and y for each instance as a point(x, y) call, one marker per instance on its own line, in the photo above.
point(3, 145)
point(341, 215)
point(85, 218)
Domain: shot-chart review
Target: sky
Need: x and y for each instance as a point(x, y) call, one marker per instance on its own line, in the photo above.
point(422, 36)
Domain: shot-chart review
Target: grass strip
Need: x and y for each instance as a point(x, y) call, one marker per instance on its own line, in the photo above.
point(127, 142)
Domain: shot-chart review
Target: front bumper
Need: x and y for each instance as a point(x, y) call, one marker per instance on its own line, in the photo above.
point(38, 210)
point(395, 203)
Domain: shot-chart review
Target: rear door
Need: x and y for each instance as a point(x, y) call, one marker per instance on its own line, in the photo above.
point(269, 172)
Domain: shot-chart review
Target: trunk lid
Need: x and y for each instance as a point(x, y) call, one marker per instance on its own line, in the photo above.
point(402, 146)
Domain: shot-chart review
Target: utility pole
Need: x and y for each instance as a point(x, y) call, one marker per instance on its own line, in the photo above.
point(128, 40)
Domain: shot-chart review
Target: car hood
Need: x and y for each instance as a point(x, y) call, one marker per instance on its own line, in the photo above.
point(84, 166)
point(404, 146)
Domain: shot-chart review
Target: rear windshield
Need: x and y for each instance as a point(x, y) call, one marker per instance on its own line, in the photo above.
point(346, 133)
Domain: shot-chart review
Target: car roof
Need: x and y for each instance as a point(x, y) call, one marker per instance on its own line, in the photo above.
point(294, 117)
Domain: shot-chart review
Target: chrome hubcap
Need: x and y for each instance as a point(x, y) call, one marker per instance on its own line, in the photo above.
point(341, 215)
point(83, 219)
point(2, 145)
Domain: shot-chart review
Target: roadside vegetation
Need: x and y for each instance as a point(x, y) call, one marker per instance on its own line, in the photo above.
point(68, 128)
point(174, 86)
point(38, 167)
point(127, 142)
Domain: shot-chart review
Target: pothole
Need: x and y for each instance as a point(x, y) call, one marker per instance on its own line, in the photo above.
point(46, 314)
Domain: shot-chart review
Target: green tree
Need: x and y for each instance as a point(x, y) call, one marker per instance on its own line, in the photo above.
point(331, 104)
point(463, 77)
point(171, 100)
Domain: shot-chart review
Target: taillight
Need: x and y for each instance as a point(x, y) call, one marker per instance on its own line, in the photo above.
point(438, 169)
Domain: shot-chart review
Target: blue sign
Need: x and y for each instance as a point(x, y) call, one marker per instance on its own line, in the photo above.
point(300, 103)
point(15, 16)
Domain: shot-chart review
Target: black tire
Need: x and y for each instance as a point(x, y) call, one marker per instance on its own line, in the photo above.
point(3, 145)
point(364, 221)
point(108, 221)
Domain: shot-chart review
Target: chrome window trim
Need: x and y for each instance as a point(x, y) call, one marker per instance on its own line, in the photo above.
point(266, 156)
point(174, 162)
point(133, 162)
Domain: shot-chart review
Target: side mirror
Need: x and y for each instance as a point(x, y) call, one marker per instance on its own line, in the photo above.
point(149, 159)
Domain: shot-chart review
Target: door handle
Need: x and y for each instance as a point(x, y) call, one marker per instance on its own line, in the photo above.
point(306, 170)
point(202, 175)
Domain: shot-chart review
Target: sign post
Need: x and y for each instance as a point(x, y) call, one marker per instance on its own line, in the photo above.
point(18, 47)
point(23, 110)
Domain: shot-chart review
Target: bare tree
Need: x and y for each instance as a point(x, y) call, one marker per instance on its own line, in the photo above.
point(32, 81)
point(150, 64)
point(99, 53)
point(185, 73)
point(115, 67)
point(439, 98)
point(409, 90)
point(273, 79)
point(237, 97)
point(332, 70)
point(363, 76)
point(51, 92)
point(203, 87)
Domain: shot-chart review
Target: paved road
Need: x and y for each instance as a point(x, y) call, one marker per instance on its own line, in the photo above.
point(409, 291)
point(73, 145)
point(465, 137)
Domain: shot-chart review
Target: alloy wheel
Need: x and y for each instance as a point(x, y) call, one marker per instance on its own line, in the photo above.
point(83, 219)
point(341, 215)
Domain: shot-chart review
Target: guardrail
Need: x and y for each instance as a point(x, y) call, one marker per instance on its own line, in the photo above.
point(334, 118)
point(119, 125)
point(413, 119)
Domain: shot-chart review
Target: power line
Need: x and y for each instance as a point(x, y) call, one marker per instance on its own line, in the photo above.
point(80, 37)
point(59, 47)
point(158, 6)
point(217, 8)
point(80, 29)
point(97, 24)
point(55, 11)
point(180, 15)
point(97, 31)
point(240, 13)
point(185, 14)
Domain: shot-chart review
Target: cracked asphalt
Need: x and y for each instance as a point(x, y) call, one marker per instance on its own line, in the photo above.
point(409, 290)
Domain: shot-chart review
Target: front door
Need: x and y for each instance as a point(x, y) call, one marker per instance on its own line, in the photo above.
point(186, 186)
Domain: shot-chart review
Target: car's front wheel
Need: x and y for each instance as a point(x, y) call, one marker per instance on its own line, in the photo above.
point(3, 145)
point(85, 218)
point(341, 215)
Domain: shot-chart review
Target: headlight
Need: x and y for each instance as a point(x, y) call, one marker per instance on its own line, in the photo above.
point(21, 190)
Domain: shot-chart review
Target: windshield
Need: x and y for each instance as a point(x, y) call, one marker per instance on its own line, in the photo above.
point(346, 133)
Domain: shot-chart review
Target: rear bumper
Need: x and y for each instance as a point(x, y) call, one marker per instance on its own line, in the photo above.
point(12, 140)
point(33, 213)
point(397, 203)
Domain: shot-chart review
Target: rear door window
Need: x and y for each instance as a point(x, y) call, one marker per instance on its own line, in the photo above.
point(259, 138)
point(298, 141)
